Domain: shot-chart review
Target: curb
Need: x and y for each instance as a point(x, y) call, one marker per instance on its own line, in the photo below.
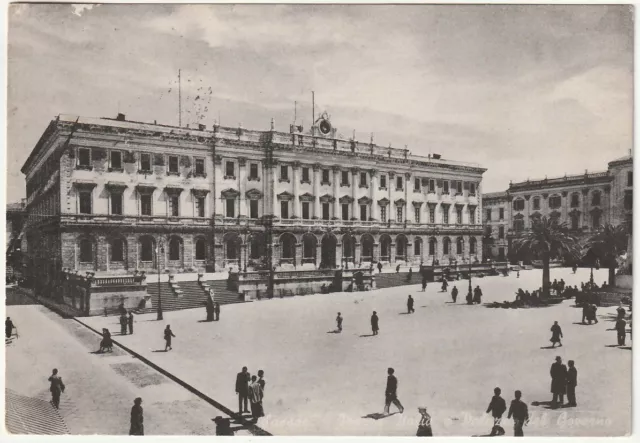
point(251, 427)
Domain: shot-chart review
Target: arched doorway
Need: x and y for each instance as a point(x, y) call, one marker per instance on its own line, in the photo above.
point(433, 247)
point(385, 248)
point(309, 246)
point(417, 248)
point(401, 247)
point(288, 249)
point(328, 251)
point(348, 249)
point(366, 244)
point(232, 249)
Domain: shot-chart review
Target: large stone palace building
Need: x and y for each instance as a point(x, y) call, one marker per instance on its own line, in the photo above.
point(585, 202)
point(113, 196)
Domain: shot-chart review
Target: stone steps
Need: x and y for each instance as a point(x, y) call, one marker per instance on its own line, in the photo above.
point(28, 415)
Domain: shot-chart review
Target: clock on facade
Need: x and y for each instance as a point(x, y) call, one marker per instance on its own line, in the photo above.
point(325, 126)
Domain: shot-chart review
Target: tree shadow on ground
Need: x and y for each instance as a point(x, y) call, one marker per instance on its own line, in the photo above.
point(378, 415)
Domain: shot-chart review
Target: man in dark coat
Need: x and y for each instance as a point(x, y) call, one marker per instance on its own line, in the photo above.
point(585, 312)
point(556, 334)
point(123, 324)
point(497, 407)
point(558, 374)
point(621, 330)
point(56, 388)
point(130, 322)
point(209, 306)
point(572, 382)
point(621, 312)
point(339, 322)
point(410, 275)
point(374, 323)
point(168, 333)
point(398, 269)
point(410, 305)
point(424, 282)
point(477, 295)
point(216, 310)
point(444, 284)
point(8, 327)
point(454, 294)
point(242, 389)
point(391, 392)
point(137, 419)
point(379, 268)
point(520, 413)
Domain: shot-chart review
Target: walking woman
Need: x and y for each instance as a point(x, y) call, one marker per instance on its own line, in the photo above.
point(167, 338)
point(424, 426)
point(137, 419)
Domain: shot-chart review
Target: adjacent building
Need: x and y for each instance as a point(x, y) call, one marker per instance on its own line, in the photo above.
point(585, 202)
point(112, 196)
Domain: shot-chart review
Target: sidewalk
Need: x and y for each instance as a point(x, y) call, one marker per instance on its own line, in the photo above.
point(100, 388)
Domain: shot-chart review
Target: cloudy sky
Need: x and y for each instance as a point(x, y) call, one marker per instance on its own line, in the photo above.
point(525, 91)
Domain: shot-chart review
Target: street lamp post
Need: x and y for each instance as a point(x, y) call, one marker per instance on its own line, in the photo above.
point(159, 251)
point(470, 292)
point(247, 236)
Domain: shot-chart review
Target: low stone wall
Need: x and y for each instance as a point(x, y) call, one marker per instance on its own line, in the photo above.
point(110, 297)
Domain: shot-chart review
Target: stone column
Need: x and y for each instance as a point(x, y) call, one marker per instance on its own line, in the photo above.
point(217, 186)
point(318, 254)
point(272, 187)
point(407, 182)
point(409, 255)
point(376, 252)
point(390, 215)
point(336, 192)
point(316, 191)
point(298, 256)
point(296, 190)
point(355, 213)
point(585, 209)
point(357, 254)
point(527, 221)
point(374, 186)
point(242, 185)
point(606, 204)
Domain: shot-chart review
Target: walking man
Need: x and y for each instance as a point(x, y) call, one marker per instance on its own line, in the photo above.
point(497, 407)
point(8, 327)
point(556, 334)
point(410, 305)
point(242, 389)
point(558, 374)
point(379, 268)
point(123, 324)
point(621, 312)
point(137, 419)
point(621, 328)
point(339, 322)
point(572, 382)
point(217, 311)
point(424, 282)
point(374, 323)
point(168, 333)
point(477, 295)
point(520, 413)
point(391, 392)
point(255, 397)
point(130, 321)
point(444, 284)
point(454, 294)
point(209, 306)
point(56, 388)
point(398, 269)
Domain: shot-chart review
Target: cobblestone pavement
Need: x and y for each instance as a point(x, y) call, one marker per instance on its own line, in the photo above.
point(448, 357)
point(100, 388)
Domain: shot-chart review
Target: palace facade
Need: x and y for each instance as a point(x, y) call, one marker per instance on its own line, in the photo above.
point(112, 196)
point(585, 202)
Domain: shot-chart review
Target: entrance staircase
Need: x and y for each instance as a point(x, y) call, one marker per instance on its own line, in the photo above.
point(392, 280)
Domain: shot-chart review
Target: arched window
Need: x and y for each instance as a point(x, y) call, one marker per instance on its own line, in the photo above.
point(117, 250)
point(288, 246)
point(417, 247)
point(595, 198)
point(432, 246)
point(536, 203)
point(518, 205)
point(555, 201)
point(472, 245)
point(459, 246)
point(201, 249)
point(146, 249)
point(518, 225)
point(445, 245)
point(575, 200)
point(174, 248)
point(86, 251)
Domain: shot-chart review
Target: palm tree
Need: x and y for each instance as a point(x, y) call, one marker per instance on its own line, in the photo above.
point(607, 245)
point(546, 240)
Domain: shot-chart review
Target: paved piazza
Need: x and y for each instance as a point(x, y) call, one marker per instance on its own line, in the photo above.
point(447, 357)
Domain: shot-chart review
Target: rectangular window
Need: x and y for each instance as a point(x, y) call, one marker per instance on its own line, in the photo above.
point(363, 212)
point(116, 204)
point(488, 214)
point(173, 164)
point(416, 184)
point(432, 213)
point(383, 214)
point(417, 214)
point(84, 157)
point(628, 200)
point(399, 214)
point(305, 175)
point(398, 183)
point(363, 179)
point(630, 178)
point(145, 204)
point(472, 216)
point(199, 166)
point(284, 172)
point(305, 210)
point(501, 213)
point(325, 211)
point(253, 171)
point(325, 176)
point(230, 170)
point(231, 208)
point(284, 209)
point(445, 215)
point(344, 180)
point(116, 160)
point(383, 181)
point(174, 206)
point(145, 162)
point(595, 199)
point(459, 187)
point(472, 189)
point(85, 202)
point(345, 212)
point(253, 208)
point(459, 215)
point(200, 206)
point(445, 186)
point(432, 185)
point(501, 232)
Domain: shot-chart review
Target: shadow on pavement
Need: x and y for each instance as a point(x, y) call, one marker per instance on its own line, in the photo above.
point(160, 350)
point(550, 347)
point(333, 332)
point(367, 335)
point(378, 415)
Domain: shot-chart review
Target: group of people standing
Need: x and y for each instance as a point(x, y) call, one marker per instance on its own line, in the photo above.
point(250, 389)
point(563, 381)
point(213, 309)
